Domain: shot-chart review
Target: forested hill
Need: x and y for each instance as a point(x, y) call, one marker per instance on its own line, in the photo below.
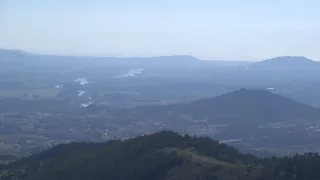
point(161, 156)
point(241, 106)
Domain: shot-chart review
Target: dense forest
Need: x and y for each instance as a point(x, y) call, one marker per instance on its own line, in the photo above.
point(164, 155)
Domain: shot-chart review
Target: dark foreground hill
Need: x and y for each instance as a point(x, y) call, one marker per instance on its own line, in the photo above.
point(164, 155)
point(241, 106)
point(160, 156)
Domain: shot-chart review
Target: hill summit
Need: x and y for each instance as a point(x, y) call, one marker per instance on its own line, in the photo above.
point(160, 156)
point(287, 63)
point(240, 106)
point(164, 155)
point(252, 105)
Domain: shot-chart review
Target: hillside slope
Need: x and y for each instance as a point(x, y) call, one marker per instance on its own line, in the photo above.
point(241, 106)
point(163, 155)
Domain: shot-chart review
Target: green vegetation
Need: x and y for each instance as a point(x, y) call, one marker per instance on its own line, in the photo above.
point(198, 158)
point(164, 155)
point(161, 156)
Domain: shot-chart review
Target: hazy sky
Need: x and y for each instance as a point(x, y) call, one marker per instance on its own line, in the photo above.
point(208, 29)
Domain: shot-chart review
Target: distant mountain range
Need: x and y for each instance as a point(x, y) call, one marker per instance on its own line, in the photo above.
point(18, 59)
point(13, 54)
point(287, 61)
point(180, 66)
point(15, 59)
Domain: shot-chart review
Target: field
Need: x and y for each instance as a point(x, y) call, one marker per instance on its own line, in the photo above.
point(30, 94)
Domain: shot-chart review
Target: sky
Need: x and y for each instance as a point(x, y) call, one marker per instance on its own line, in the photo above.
point(207, 29)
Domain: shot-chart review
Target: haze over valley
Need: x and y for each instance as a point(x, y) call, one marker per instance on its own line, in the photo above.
point(159, 90)
point(267, 108)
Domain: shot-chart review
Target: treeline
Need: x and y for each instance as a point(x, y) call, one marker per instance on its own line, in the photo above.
point(304, 166)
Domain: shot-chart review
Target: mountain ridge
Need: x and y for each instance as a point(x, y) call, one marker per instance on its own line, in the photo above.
point(6, 52)
point(189, 57)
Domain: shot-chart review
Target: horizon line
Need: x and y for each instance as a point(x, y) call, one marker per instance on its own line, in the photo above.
point(132, 56)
